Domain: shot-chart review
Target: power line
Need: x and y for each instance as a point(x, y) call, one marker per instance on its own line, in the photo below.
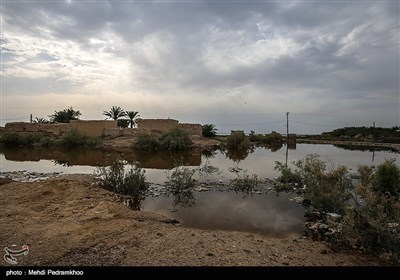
point(238, 124)
point(315, 124)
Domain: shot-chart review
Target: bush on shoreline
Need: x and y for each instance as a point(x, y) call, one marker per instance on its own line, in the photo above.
point(267, 139)
point(369, 207)
point(245, 183)
point(71, 138)
point(114, 178)
point(238, 141)
point(175, 139)
point(180, 185)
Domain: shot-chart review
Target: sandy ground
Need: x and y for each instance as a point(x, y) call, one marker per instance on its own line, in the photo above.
point(71, 222)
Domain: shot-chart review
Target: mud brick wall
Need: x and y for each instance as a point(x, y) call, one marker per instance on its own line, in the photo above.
point(99, 128)
point(292, 137)
point(47, 129)
point(21, 127)
point(53, 129)
point(160, 125)
point(129, 131)
point(113, 132)
point(193, 129)
point(93, 128)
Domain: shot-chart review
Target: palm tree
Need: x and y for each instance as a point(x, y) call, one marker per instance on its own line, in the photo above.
point(65, 115)
point(209, 130)
point(133, 116)
point(40, 120)
point(115, 113)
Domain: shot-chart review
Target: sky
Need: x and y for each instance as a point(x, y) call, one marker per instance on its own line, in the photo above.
point(235, 64)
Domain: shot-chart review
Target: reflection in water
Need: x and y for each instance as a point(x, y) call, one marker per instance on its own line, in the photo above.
point(99, 157)
point(207, 154)
point(275, 147)
point(289, 146)
point(265, 214)
point(165, 159)
point(372, 149)
point(61, 162)
point(238, 155)
point(180, 185)
point(287, 154)
point(207, 169)
point(364, 148)
point(245, 184)
point(213, 209)
point(134, 202)
point(184, 198)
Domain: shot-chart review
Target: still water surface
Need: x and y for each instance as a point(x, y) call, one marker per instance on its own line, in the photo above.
point(219, 208)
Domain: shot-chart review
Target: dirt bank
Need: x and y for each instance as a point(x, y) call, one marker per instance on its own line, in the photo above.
point(68, 221)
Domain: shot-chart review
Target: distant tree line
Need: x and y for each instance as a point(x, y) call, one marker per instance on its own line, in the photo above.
point(380, 134)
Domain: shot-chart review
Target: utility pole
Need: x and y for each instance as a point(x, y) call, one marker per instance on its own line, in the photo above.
point(373, 141)
point(373, 133)
point(31, 118)
point(287, 126)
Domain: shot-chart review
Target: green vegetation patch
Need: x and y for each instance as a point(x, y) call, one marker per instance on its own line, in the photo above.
point(73, 138)
point(269, 139)
point(368, 202)
point(119, 180)
point(238, 141)
point(175, 139)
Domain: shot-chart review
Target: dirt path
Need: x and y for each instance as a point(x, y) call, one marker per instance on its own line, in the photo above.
point(70, 222)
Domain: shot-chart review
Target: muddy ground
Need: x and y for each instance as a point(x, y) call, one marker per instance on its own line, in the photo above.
point(68, 221)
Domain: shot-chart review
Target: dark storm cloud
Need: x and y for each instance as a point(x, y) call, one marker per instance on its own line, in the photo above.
point(315, 50)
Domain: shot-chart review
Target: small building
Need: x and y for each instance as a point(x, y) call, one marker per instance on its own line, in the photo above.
point(292, 137)
point(237, 131)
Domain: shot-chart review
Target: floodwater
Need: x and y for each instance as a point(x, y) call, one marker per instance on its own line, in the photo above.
point(217, 205)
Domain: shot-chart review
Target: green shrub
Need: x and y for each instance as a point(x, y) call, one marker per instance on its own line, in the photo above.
point(365, 174)
point(373, 225)
point(175, 139)
point(12, 139)
point(245, 183)
point(387, 178)
point(47, 142)
point(148, 141)
point(238, 140)
point(180, 184)
point(330, 192)
point(288, 179)
point(65, 116)
point(73, 138)
point(115, 178)
point(268, 139)
point(33, 138)
point(209, 130)
point(369, 206)
point(327, 191)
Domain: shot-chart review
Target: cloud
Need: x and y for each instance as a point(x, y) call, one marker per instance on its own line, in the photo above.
point(207, 61)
